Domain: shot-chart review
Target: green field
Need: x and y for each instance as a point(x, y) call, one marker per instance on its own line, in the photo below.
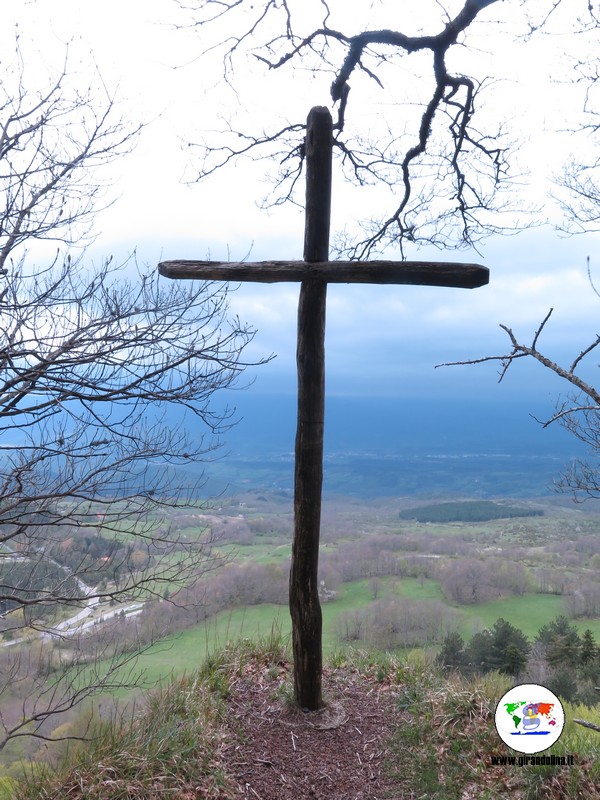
point(184, 652)
point(418, 589)
point(529, 613)
point(557, 555)
point(255, 553)
point(353, 520)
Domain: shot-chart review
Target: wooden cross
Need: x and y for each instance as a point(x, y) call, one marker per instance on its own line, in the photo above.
point(314, 273)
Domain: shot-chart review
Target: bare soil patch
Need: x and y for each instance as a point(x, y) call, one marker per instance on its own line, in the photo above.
point(277, 751)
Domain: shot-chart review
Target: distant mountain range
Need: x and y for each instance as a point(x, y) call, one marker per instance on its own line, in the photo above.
point(386, 446)
point(444, 426)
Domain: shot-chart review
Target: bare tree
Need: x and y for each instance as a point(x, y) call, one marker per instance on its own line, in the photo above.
point(443, 172)
point(99, 376)
point(52, 137)
point(579, 198)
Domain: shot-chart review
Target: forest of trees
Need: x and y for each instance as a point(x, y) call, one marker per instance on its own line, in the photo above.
point(558, 657)
point(467, 511)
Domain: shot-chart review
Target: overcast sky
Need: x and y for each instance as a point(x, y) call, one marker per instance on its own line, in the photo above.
point(383, 340)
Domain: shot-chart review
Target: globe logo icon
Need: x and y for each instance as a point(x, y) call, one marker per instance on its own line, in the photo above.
point(529, 718)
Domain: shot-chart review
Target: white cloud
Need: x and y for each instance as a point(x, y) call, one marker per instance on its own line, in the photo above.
point(396, 333)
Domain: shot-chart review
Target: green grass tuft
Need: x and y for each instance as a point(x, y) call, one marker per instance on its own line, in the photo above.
point(168, 748)
point(8, 787)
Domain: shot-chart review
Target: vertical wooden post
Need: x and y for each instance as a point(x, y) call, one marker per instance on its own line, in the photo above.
point(305, 608)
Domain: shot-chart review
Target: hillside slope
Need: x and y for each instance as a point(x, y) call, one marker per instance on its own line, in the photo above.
point(393, 729)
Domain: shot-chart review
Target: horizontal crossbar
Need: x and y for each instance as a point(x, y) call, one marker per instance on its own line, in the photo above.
point(418, 273)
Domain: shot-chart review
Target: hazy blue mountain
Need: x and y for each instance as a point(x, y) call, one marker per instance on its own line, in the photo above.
point(386, 446)
point(393, 426)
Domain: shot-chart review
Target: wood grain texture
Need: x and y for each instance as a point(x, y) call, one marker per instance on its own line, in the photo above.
point(418, 273)
point(305, 608)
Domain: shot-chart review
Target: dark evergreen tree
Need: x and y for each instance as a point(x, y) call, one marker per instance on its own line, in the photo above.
point(514, 660)
point(479, 652)
point(452, 655)
point(589, 649)
point(502, 647)
point(561, 642)
point(510, 648)
point(563, 683)
point(589, 670)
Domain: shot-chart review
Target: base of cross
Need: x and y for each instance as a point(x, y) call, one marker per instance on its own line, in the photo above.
point(416, 273)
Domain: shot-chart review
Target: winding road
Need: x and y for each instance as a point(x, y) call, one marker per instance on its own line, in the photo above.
point(93, 614)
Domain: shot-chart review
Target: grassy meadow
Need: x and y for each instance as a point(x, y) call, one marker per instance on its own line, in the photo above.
point(184, 652)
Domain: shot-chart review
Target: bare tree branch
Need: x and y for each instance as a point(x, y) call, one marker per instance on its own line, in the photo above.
point(522, 351)
point(447, 177)
point(45, 178)
point(579, 413)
